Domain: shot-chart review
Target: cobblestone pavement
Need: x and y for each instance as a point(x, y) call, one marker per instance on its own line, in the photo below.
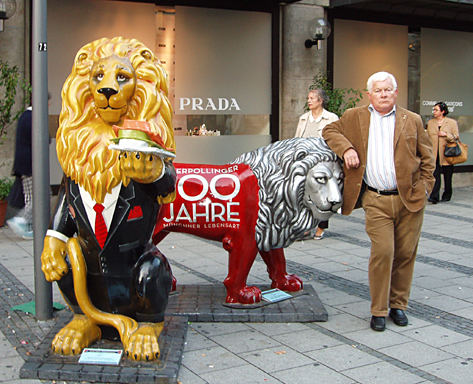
point(436, 346)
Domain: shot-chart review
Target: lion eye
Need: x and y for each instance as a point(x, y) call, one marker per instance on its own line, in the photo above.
point(99, 76)
point(321, 180)
point(121, 78)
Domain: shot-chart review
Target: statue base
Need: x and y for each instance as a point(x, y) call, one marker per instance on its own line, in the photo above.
point(44, 364)
point(206, 303)
point(195, 303)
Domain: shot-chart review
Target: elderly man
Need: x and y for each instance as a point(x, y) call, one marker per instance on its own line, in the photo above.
point(388, 164)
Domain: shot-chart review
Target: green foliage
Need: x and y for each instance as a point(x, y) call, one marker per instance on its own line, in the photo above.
point(11, 82)
point(339, 99)
point(6, 184)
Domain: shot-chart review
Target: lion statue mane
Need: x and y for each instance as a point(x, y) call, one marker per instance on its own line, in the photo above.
point(83, 137)
point(281, 169)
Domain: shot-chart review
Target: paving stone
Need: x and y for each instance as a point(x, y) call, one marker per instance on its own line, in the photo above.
point(380, 373)
point(435, 336)
point(359, 309)
point(446, 303)
point(455, 371)
point(344, 323)
point(308, 340)
point(416, 353)
point(210, 359)
point(242, 342)
point(276, 358)
point(342, 357)
point(272, 329)
point(462, 349)
point(238, 375)
point(376, 340)
point(309, 374)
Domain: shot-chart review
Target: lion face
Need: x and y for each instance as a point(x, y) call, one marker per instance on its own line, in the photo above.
point(111, 79)
point(323, 189)
point(112, 83)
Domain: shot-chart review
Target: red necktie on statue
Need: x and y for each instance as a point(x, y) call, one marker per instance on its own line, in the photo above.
point(100, 226)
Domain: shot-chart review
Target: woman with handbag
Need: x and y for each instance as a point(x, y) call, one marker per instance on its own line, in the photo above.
point(442, 130)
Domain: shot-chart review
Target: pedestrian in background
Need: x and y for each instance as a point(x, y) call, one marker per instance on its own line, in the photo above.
point(22, 224)
point(442, 130)
point(310, 125)
point(388, 166)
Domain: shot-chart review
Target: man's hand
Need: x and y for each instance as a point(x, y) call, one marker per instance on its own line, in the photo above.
point(351, 159)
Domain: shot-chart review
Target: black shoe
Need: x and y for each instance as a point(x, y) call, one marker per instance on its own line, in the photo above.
point(445, 199)
point(433, 201)
point(378, 323)
point(398, 316)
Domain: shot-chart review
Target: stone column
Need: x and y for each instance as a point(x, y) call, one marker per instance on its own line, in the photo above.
point(298, 63)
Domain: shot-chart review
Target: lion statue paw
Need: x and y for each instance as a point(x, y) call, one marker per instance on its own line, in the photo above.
point(75, 336)
point(143, 343)
point(290, 283)
point(246, 295)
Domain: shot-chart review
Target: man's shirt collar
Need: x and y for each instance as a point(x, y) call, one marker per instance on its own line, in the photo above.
point(372, 110)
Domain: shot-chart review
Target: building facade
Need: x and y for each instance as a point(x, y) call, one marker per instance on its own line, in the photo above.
point(240, 70)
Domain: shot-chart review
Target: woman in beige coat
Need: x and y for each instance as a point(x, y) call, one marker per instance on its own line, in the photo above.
point(442, 130)
point(311, 124)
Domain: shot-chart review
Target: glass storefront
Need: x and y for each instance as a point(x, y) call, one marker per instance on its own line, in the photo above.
point(219, 62)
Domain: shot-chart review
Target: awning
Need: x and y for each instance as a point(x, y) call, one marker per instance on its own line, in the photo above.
point(449, 14)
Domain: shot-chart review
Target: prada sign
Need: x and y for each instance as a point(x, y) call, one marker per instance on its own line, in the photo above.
point(219, 104)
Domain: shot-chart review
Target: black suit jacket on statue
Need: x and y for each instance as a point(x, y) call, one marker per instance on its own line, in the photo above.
point(110, 271)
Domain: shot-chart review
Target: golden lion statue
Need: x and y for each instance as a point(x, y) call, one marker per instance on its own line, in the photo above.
point(98, 247)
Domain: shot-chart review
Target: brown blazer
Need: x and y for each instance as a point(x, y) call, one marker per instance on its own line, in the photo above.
point(450, 127)
point(413, 158)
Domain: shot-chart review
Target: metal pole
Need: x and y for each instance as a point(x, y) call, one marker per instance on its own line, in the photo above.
point(41, 211)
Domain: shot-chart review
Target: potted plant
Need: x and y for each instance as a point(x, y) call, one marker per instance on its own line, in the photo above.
point(6, 184)
point(339, 99)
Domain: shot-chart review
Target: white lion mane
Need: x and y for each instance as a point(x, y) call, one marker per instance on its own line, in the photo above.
point(281, 170)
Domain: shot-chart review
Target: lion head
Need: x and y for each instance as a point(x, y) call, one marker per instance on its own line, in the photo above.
point(111, 80)
point(300, 182)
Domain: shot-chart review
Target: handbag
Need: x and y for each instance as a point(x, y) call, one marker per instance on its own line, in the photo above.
point(461, 158)
point(452, 149)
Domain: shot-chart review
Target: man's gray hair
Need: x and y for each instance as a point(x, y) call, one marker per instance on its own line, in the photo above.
point(380, 76)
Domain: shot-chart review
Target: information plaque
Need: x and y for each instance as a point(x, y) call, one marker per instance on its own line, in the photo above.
point(275, 295)
point(100, 356)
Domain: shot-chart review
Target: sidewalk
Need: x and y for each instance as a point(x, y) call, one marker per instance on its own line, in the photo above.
point(436, 346)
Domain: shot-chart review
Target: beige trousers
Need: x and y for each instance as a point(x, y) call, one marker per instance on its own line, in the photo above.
point(394, 233)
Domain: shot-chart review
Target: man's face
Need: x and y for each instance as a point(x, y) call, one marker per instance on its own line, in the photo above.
point(383, 96)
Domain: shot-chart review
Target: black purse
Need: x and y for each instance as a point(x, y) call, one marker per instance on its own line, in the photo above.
point(452, 150)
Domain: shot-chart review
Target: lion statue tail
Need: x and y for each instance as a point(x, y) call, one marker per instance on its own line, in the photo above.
point(123, 324)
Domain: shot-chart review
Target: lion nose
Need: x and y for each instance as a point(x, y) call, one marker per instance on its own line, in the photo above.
point(108, 92)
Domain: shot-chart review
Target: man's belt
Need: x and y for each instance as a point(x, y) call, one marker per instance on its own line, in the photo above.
point(387, 193)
